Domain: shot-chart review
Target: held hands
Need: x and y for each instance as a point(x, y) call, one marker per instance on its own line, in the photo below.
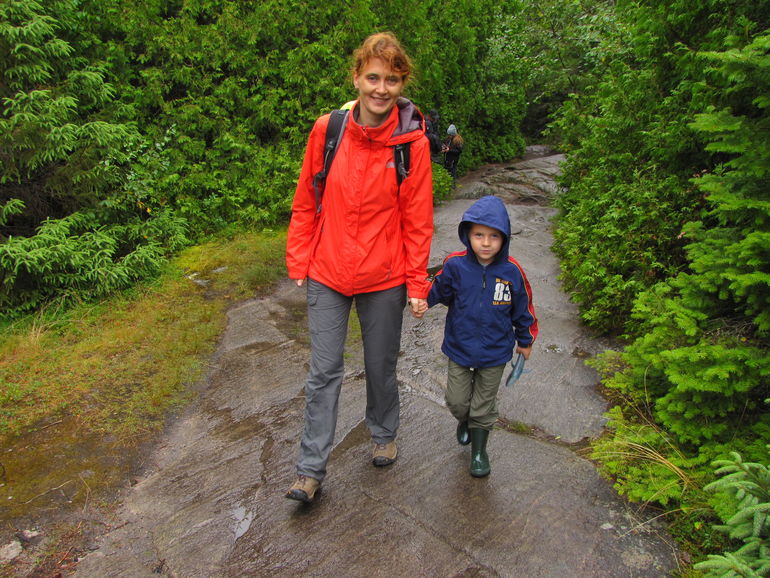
point(418, 307)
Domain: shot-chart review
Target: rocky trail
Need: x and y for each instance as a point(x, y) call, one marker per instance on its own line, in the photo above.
point(210, 503)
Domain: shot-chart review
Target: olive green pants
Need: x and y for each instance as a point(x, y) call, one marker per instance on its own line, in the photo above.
point(471, 394)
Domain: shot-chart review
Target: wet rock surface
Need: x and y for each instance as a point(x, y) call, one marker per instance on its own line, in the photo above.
point(211, 501)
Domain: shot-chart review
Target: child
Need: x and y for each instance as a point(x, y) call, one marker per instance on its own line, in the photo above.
point(490, 313)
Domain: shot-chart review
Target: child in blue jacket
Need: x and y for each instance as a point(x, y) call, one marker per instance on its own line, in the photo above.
point(490, 312)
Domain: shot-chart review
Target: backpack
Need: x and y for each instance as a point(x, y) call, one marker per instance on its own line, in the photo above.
point(334, 132)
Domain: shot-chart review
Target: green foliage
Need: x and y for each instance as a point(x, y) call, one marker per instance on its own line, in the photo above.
point(701, 355)
point(443, 184)
point(10, 208)
point(631, 134)
point(701, 380)
point(239, 84)
point(730, 251)
point(696, 370)
point(75, 221)
point(639, 217)
point(698, 364)
point(745, 486)
point(58, 153)
point(682, 430)
point(560, 48)
point(76, 258)
point(642, 461)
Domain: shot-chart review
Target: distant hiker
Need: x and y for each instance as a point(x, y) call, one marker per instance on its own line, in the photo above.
point(453, 146)
point(366, 240)
point(490, 312)
point(431, 131)
point(435, 118)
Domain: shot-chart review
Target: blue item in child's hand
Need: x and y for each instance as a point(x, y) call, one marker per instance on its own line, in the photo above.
point(518, 369)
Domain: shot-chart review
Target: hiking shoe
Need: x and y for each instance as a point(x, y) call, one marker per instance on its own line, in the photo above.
point(384, 454)
point(303, 489)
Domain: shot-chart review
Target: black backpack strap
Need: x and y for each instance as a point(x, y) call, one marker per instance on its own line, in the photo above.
point(334, 131)
point(401, 157)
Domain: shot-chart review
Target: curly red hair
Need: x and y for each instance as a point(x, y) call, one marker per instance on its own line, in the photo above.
point(386, 46)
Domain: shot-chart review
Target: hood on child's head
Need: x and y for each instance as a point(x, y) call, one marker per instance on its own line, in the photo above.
point(491, 212)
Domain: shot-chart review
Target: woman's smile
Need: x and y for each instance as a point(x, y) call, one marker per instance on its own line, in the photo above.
point(378, 89)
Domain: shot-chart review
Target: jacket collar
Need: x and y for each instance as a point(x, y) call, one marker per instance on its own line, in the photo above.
point(404, 124)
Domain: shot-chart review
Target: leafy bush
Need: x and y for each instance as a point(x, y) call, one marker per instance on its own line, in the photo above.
point(701, 355)
point(560, 49)
point(60, 149)
point(640, 217)
point(634, 143)
point(240, 84)
point(443, 184)
point(79, 258)
point(663, 234)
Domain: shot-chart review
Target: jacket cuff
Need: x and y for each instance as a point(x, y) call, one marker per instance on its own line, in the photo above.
point(418, 290)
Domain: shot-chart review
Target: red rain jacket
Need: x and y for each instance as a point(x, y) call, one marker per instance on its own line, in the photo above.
point(369, 235)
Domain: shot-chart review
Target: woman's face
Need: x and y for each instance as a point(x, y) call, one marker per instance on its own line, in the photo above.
point(379, 86)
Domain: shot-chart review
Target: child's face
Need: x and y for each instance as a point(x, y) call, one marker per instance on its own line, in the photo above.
point(486, 242)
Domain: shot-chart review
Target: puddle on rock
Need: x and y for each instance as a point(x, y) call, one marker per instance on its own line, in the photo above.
point(581, 353)
point(243, 519)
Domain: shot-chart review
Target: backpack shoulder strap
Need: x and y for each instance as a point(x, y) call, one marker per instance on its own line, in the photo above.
point(401, 157)
point(334, 131)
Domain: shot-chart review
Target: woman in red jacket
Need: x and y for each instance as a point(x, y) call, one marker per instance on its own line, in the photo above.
point(369, 244)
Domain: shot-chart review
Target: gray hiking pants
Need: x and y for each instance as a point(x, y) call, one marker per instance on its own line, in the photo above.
point(471, 394)
point(381, 314)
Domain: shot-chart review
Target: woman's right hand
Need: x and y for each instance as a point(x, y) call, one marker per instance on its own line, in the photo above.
point(299, 282)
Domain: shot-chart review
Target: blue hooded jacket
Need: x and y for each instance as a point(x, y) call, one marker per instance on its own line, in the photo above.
point(490, 307)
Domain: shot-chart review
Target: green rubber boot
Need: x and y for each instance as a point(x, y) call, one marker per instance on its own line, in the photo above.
point(463, 437)
point(479, 459)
